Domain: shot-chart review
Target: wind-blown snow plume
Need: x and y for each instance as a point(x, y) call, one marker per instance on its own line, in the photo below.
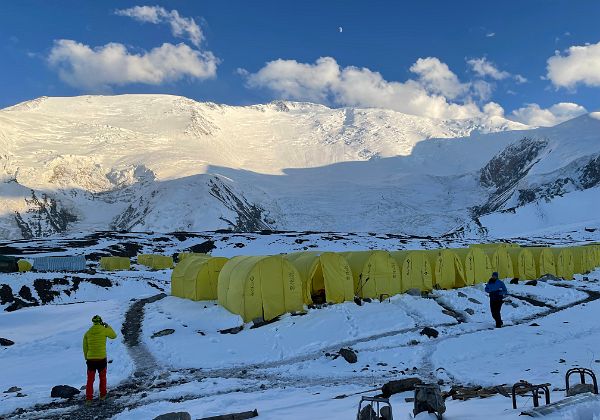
point(181, 27)
point(112, 64)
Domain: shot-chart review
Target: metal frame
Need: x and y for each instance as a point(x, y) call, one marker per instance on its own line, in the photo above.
point(379, 401)
point(535, 392)
point(582, 374)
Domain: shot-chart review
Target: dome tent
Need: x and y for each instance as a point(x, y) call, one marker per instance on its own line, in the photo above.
point(447, 268)
point(523, 263)
point(544, 261)
point(583, 259)
point(500, 260)
point(155, 261)
point(476, 264)
point(259, 287)
point(375, 273)
point(323, 271)
point(563, 258)
point(115, 263)
point(415, 269)
point(196, 277)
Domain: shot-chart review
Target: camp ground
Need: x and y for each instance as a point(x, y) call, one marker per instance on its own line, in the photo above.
point(281, 327)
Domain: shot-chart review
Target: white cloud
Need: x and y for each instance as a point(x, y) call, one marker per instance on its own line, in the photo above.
point(113, 65)
point(181, 27)
point(437, 78)
point(436, 92)
point(580, 64)
point(520, 79)
point(490, 34)
point(482, 67)
point(532, 114)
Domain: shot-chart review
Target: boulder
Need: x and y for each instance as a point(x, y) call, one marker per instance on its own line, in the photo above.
point(470, 311)
point(430, 332)
point(475, 301)
point(6, 342)
point(461, 294)
point(64, 391)
point(162, 333)
point(234, 416)
point(413, 292)
point(233, 330)
point(531, 283)
point(402, 385)
point(514, 281)
point(12, 389)
point(349, 355)
point(182, 415)
point(547, 277)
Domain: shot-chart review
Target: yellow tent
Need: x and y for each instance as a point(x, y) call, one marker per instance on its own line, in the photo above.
point(563, 258)
point(544, 261)
point(323, 271)
point(594, 250)
point(523, 263)
point(416, 272)
point(155, 261)
point(24, 265)
point(376, 273)
point(115, 263)
point(476, 264)
point(196, 277)
point(501, 261)
point(583, 259)
point(447, 267)
point(260, 287)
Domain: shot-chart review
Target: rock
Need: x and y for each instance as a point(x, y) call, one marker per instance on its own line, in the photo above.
point(64, 391)
point(413, 342)
point(534, 324)
point(6, 294)
point(430, 332)
point(470, 311)
point(461, 294)
point(514, 281)
point(6, 342)
point(580, 389)
point(233, 330)
point(413, 292)
point(234, 416)
point(402, 385)
point(531, 283)
point(349, 355)
point(562, 361)
point(473, 300)
point(367, 300)
point(182, 415)
point(162, 333)
point(20, 395)
point(12, 389)
point(447, 312)
point(428, 398)
point(547, 277)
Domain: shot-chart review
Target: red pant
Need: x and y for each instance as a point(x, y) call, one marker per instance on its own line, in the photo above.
point(92, 367)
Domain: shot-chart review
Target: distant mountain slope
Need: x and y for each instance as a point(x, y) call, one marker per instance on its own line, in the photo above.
point(165, 163)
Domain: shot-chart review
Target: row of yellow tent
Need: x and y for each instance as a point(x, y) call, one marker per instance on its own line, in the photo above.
point(268, 286)
point(153, 261)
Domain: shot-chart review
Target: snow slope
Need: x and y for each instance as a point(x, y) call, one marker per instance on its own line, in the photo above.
point(288, 369)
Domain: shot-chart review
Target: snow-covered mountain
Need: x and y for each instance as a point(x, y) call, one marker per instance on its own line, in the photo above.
point(166, 163)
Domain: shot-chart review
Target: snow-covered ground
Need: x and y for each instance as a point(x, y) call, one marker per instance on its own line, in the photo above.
point(288, 369)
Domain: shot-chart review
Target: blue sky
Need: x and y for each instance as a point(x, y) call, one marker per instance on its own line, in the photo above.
point(433, 58)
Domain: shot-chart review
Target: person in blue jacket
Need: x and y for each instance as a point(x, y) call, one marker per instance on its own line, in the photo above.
point(497, 290)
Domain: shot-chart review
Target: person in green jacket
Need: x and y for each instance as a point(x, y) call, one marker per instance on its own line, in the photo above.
point(94, 352)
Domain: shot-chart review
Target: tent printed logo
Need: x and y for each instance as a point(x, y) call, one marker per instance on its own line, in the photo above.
point(251, 280)
point(292, 281)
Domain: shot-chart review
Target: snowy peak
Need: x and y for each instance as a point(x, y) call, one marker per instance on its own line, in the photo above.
point(165, 163)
